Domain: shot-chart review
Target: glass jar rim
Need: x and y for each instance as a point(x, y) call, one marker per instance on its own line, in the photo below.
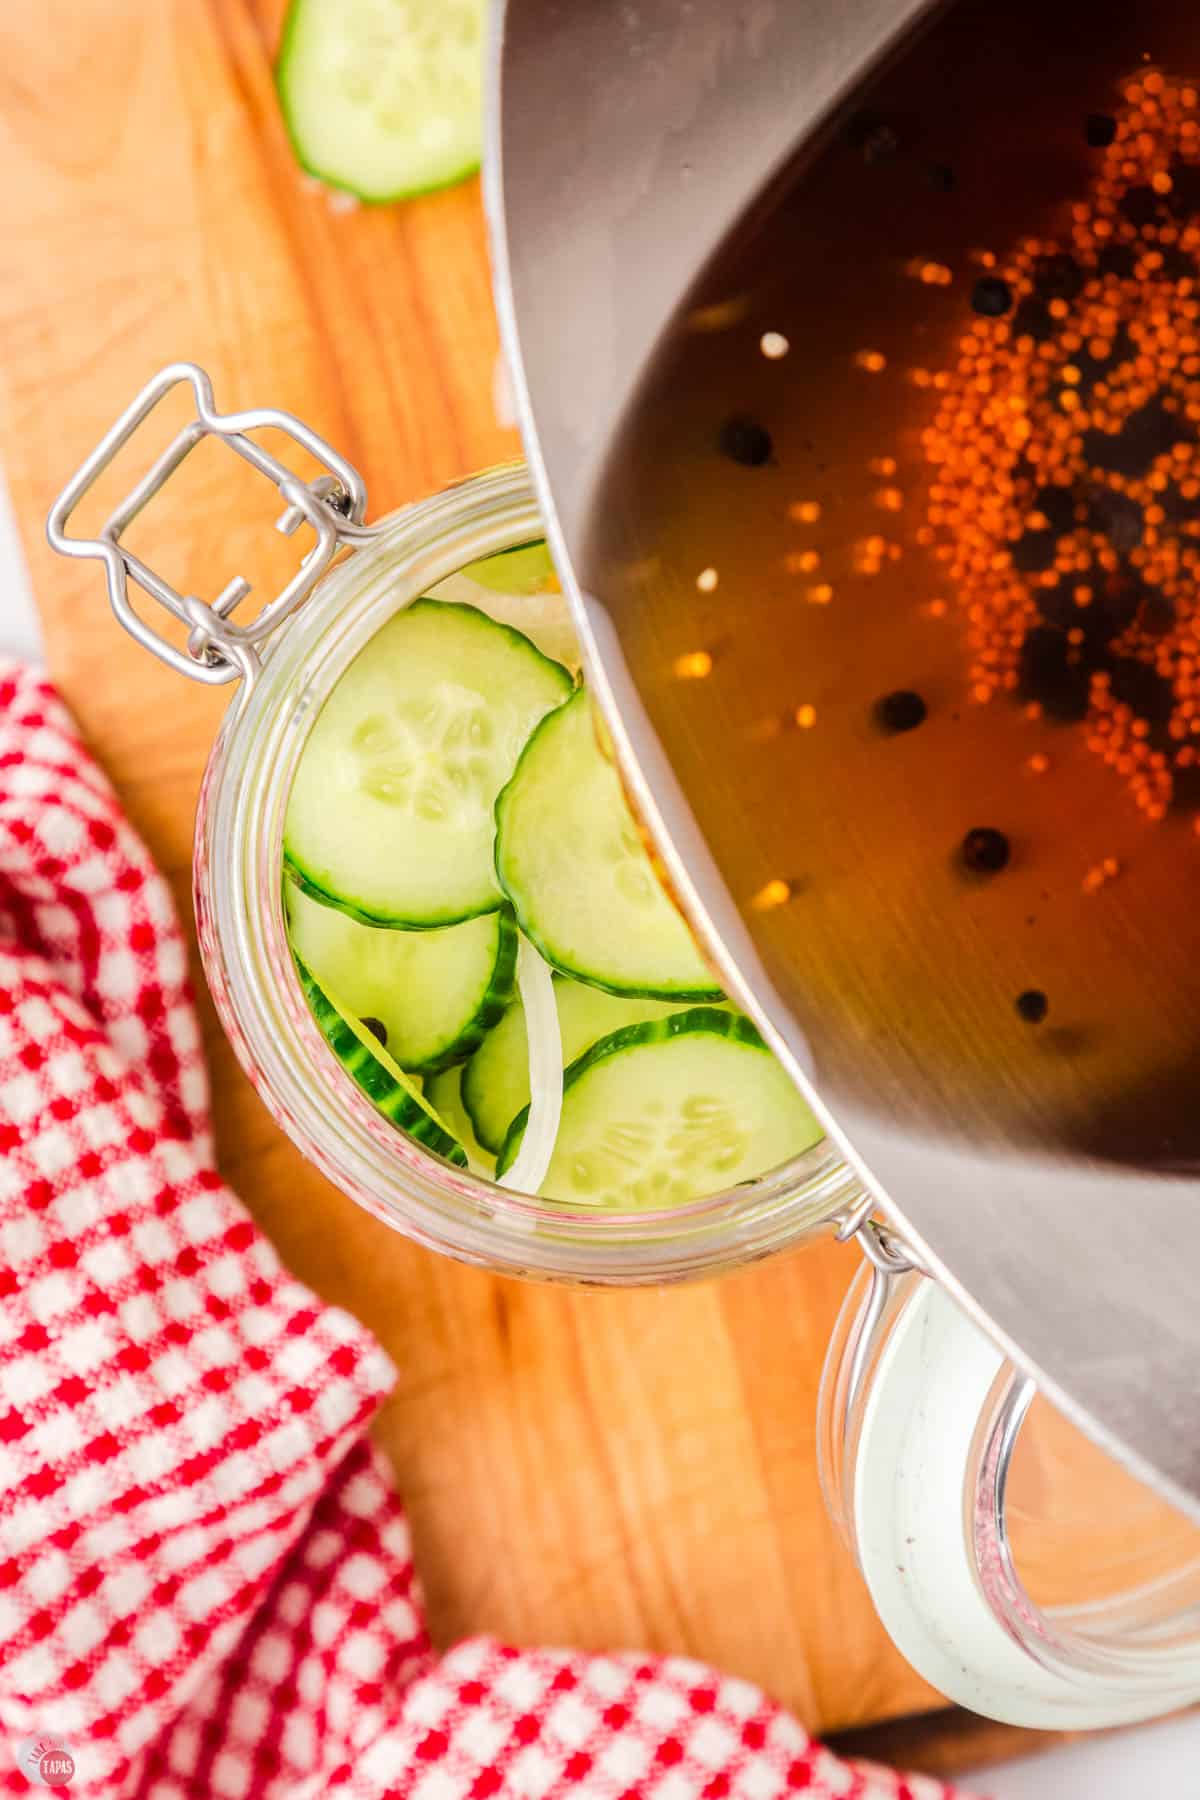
point(238, 888)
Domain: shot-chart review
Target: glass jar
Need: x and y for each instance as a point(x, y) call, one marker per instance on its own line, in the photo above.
point(288, 660)
point(238, 883)
point(1023, 1571)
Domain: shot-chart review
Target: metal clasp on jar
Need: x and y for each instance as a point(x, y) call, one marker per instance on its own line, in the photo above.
point(217, 650)
point(888, 1257)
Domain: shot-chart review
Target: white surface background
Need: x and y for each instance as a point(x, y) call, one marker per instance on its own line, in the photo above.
point(1157, 1762)
point(19, 631)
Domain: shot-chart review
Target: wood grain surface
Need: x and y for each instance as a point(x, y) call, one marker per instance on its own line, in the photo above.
point(603, 1470)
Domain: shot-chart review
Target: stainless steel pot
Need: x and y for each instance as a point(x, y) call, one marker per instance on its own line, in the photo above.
point(738, 256)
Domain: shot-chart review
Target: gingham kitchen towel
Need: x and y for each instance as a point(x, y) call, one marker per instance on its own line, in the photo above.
point(206, 1582)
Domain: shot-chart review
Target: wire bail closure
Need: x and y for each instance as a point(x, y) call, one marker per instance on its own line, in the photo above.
point(333, 504)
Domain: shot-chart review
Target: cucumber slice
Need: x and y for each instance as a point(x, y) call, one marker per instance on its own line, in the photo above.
point(528, 569)
point(495, 1084)
point(434, 994)
point(668, 1111)
point(381, 1079)
point(445, 1096)
point(570, 859)
point(384, 97)
point(543, 616)
point(390, 814)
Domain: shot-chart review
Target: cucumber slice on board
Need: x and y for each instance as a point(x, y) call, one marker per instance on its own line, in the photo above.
point(495, 1084)
point(381, 1079)
point(434, 994)
point(569, 857)
point(390, 814)
point(445, 1096)
point(384, 97)
point(669, 1111)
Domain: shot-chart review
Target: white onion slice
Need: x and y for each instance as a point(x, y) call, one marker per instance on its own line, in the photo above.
point(536, 987)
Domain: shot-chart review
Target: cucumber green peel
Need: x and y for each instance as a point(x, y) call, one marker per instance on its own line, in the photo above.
point(495, 1083)
point(381, 1079)
point(436, 994)
point(445, 1096)
point(669, 1111)
point(390, 817)
point(569, 857)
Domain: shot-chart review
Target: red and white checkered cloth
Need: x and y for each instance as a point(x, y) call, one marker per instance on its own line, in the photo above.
point(206, 1581)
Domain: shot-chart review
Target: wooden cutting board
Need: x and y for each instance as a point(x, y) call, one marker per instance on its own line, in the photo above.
point(595, 1469)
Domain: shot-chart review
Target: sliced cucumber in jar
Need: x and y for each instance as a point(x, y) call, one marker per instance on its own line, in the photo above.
point(381, 1079)
point(519, 587)
point(433, 995)
point(384, 97)
point(526, 569)
point(570, 859)
point(668, 1111)
point(495, 1083)
point(390, 815)
point(445, 1096)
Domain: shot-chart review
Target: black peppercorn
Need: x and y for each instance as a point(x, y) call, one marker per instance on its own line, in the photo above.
point(901, 711)
point(744, 440)
point(985, 851)
point(991, 296)
point(1032, 1006)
